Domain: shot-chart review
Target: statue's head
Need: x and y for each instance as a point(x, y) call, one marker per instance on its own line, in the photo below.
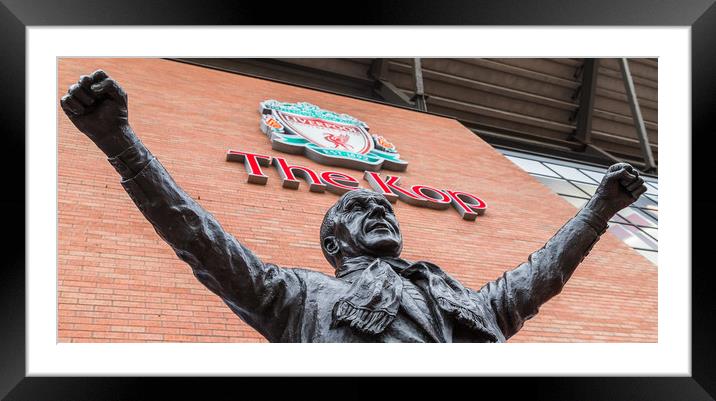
point(360, 223)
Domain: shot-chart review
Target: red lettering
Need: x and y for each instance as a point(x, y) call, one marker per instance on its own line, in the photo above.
point(469, 206)
point(390, 189)
point(252, 162)
point(338, 183)
point(300, 120)
point(319, 123)
point(436, 199)
point(288, 175)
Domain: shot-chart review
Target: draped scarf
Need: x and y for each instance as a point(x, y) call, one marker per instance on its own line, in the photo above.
point(372, 301)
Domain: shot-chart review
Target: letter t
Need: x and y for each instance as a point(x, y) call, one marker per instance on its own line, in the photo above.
point(251, 162)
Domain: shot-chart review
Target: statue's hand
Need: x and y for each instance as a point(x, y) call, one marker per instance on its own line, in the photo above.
point(97, 106)
point(620, 187)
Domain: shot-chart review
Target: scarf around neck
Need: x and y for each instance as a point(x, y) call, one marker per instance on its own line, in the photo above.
point(372, 301)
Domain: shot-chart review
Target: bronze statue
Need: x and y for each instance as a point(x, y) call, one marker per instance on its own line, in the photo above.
point(375, 296)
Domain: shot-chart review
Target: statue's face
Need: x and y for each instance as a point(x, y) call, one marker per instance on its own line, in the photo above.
point(366, 225)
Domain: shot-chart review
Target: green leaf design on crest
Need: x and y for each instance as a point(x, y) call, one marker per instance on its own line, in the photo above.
point(311, 110)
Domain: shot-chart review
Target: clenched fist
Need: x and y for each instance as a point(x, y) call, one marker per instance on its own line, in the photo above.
point(97, 106)
point(620, 187)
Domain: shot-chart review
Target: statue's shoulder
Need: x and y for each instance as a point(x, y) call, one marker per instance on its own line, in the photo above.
point(315, 277)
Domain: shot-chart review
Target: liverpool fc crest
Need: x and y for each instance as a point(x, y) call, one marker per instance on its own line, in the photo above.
point(327, 137)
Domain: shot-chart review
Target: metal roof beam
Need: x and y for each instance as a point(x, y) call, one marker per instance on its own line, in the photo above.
point(383, 87)
point(636, 115)
point(586, 100)
point(419, 98)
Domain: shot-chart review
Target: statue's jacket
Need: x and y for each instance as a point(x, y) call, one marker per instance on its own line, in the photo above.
point(297, 305)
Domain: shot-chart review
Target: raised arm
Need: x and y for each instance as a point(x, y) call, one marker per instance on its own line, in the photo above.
point(261, 294)
point(518, 294)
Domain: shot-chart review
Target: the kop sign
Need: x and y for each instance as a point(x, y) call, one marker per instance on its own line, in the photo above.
point(340, 140)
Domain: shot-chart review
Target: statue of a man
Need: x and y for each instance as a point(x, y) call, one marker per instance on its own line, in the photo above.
point(375, 295)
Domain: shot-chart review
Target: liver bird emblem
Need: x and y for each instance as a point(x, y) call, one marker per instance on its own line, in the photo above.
point(339, 141)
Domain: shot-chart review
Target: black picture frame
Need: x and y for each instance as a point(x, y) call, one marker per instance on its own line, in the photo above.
point(16, 15)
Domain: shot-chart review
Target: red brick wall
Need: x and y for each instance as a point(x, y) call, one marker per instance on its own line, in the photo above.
point(118, 281)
